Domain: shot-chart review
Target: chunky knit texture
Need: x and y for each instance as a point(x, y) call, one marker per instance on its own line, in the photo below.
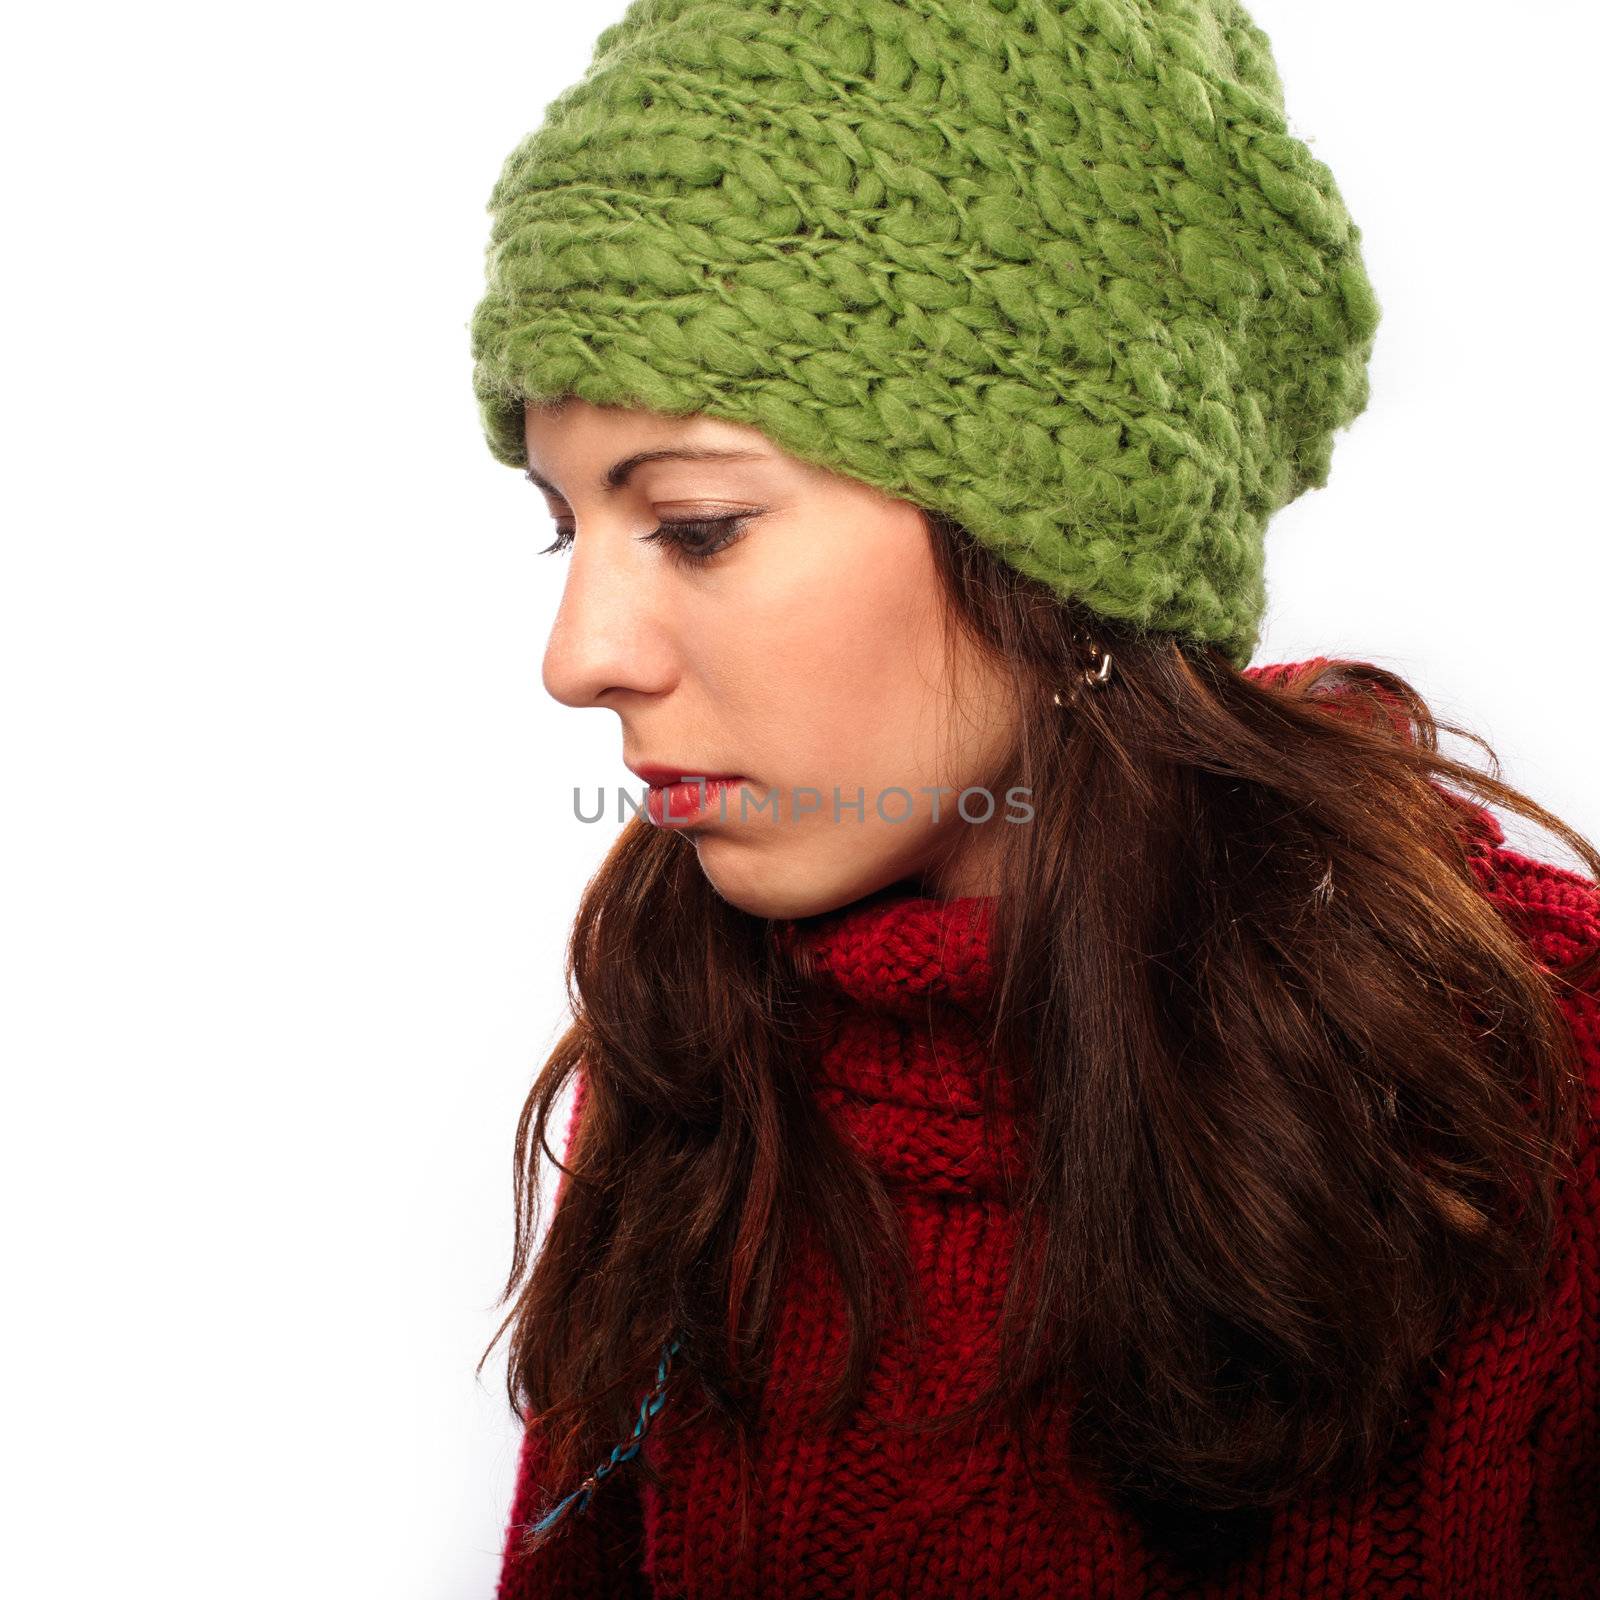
point(1056, 268)
point(1492, 1493)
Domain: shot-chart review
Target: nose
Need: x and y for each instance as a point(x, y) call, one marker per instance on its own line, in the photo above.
point(611, 630)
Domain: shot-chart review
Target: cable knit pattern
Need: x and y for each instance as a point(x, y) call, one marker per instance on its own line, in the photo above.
point(1491, 1494)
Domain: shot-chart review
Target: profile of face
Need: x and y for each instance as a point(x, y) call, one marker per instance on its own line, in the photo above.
point(753, 616)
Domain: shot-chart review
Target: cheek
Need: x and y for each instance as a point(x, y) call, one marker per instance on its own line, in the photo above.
point(842, 624)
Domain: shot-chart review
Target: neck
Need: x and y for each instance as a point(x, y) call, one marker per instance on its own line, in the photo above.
point(971, 871)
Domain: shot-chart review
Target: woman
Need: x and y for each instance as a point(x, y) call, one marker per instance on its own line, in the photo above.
point(1072, 1113)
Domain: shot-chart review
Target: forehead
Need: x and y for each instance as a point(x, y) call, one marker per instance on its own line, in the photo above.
point(573, 439)
point(573, 420)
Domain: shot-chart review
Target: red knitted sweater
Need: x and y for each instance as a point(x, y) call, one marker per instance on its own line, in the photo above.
point(1493, 1494)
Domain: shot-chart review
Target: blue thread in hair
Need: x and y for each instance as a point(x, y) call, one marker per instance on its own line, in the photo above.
point(652, 1404)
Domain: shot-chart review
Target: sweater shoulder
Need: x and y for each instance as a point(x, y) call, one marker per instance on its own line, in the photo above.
point(1555, 908)
point(1556, 912)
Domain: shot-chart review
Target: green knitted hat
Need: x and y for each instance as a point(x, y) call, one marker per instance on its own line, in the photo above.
point(1056, 268)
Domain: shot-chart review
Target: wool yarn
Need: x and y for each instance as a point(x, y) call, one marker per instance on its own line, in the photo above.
point(1055, 268)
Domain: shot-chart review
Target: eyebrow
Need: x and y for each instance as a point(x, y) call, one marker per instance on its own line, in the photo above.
point(616, 475)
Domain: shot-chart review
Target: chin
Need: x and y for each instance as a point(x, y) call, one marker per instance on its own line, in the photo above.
point(797, 882)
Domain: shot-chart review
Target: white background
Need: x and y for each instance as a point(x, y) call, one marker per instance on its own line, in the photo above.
point(289, 859)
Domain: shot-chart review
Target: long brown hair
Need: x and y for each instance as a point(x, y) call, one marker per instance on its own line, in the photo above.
point(1297, 1094)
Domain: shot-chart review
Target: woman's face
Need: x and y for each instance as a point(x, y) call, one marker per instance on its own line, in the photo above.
point(801, 651)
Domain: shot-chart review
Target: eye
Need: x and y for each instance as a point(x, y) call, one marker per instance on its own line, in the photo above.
point(691, 542)
point(702, 539)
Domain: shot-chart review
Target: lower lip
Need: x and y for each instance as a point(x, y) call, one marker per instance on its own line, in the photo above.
point(675, 804)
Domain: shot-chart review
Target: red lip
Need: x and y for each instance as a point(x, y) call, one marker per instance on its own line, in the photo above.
point(660, 777)
point(674, 802)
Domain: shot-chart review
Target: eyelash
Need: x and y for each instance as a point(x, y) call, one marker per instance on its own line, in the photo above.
point(678, 536)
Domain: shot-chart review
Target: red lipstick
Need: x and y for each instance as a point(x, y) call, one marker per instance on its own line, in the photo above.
point(681, 795)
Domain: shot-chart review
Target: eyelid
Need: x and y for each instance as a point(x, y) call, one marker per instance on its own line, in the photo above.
point(732, 530)
point(728, 531)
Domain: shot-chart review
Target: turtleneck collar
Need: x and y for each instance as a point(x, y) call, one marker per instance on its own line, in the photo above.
point(901, 1074)
point(896, 950)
